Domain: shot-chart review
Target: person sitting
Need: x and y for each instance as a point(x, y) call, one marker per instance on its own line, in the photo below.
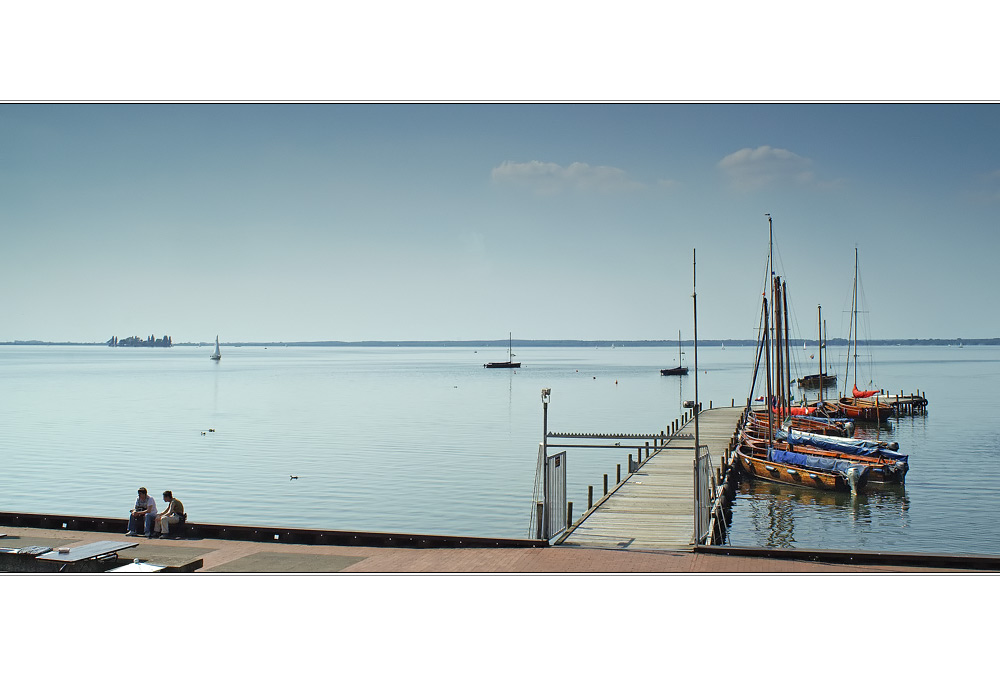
point(143, 513)
point(174, 513)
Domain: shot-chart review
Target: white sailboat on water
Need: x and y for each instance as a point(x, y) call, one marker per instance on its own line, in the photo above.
point(217, 355)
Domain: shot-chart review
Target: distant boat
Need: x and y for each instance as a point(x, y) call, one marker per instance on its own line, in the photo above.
point(505, 364)
point(822, 379)
point(677, 370)
point(217, 355)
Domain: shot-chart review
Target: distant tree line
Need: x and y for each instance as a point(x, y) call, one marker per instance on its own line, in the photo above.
point(136, 341)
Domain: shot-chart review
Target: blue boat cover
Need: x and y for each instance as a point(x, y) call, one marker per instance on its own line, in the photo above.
point(815, 461)
point(822, 419)
point(854, 446)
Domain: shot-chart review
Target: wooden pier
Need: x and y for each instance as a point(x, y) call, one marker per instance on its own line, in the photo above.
point(905, 404)
point(652, 508)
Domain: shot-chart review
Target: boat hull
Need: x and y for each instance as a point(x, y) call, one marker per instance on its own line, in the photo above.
point(678, 371)
point(759, 420)
point(503, 365)
point(781, 473)
point(862, 409)
point(815, 380)
point(881, 470)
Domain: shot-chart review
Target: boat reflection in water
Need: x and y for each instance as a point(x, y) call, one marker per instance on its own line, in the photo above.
point(787, 517)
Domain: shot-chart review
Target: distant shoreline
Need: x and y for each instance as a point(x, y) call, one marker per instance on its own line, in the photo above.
point(832, 342)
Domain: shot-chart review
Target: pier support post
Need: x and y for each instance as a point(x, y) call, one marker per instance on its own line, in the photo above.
point(590, 498)
point(605, 484)
point(569, 514)
point(539, 511)
point(618, 475)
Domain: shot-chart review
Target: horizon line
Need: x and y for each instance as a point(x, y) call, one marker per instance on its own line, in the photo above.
point(641, 342)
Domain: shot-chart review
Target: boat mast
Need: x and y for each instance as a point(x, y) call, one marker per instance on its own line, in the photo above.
point(697, 440)
point(770, 266)
point(779, 370)
point(819, 330)
point(767, 355)
point(854, 304)
point(787, 383)
point(850, 323)
point(678, 348)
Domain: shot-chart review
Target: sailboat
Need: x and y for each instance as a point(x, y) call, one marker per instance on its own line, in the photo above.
point(810, 460)
point(821, 379)
point(758, 453)
point(677, 370)
point(509, 364)
point(860, 405)
point(217, 355)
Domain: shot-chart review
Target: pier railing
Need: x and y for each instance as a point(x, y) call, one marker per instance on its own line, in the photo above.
point(705, 494)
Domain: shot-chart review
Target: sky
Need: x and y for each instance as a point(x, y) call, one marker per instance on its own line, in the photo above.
point(466, 221)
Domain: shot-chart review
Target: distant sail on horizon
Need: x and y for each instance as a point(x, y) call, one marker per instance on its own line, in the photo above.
point(217, 355)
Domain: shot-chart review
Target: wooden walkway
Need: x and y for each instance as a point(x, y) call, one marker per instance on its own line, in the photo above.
point(653, 509)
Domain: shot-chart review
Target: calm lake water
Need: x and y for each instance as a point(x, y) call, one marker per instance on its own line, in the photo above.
point(425, 440)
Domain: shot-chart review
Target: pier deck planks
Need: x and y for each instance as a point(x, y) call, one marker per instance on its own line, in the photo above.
point(654, 508)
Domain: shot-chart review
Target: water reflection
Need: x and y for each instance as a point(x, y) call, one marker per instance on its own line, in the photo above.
point(780, 516)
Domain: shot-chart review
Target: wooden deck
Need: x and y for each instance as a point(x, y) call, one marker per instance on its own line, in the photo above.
point(654, 507)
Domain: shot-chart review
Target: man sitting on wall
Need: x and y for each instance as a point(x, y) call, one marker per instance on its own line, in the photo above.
point(143, 513)
point(174, 513)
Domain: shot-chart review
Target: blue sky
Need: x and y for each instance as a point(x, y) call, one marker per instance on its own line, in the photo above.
point(466, 221)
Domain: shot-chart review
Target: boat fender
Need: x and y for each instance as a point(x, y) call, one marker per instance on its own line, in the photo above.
point(893, 446)
point(853, 476)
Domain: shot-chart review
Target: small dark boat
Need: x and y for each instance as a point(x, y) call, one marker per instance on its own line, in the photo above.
point(505, 364)
point(815, 380)
point(677, 370)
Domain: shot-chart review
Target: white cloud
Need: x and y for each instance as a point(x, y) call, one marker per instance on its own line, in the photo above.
point(750, 169)
point(550, 178)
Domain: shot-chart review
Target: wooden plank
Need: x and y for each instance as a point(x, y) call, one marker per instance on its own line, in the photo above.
point(654, 507)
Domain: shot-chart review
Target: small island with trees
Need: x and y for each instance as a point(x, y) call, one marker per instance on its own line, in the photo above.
point(136, 341)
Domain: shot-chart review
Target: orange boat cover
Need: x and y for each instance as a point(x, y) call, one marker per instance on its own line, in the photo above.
point(863, 393)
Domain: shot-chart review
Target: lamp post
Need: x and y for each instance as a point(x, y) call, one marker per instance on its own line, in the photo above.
point(546, 393)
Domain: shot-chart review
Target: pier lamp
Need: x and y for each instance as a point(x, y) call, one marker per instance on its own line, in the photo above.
point(546, 393)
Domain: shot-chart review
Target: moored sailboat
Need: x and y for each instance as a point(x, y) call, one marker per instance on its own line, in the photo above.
point(860, 405)
point(760, 456)
point(217, 355)
point(770, 448)
point(679, 370)
point(509, 364)
point(822, 379)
